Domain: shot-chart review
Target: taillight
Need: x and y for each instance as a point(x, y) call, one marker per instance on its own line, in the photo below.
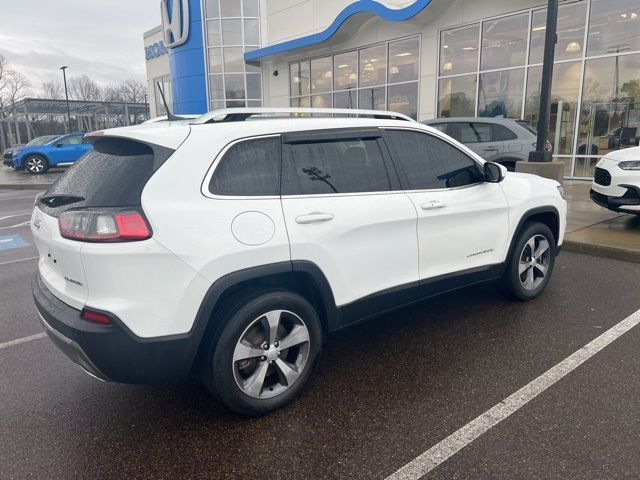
point(95, 317)
point(104, 226)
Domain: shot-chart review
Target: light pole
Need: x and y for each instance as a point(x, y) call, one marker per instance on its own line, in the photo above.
point(66, 94)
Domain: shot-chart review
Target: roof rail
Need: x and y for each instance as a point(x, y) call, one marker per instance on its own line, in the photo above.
point(242, 114)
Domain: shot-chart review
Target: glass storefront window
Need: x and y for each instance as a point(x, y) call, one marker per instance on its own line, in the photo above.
point(232, 32)
point(215, 60)
point(372, 98)
point(403, 60)
point(216, 87)
point(321, 75)
point(234, 86)
point(348, 99)
point(300, 102)
point(212, 8)
point(459, 50)
point(501, 94)
point(457, 96)
point(571, 24)
point(614, 27)
point(373, 66)
point(504, 42)
point(564, 104)
point(233, 59)
point(230, 8)
point(251, 8)
point(299, 75)
point(254, 86)
point(345, 68)
point(252, 32)
point(403, 98)
point(610, 111)
point(321, 101)
point(213, 33)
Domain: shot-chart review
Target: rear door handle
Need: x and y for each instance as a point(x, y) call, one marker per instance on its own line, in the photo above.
point(315, 217)
point(433, 205)
point(491, 149)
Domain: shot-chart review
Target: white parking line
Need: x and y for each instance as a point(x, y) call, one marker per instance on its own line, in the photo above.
point(17, 225)
point(18, 261)
point(22, 340)
point(455, 442)
point(18, 198)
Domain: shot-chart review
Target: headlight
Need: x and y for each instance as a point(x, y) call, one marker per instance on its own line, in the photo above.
point(561, 190)
point(630, 165)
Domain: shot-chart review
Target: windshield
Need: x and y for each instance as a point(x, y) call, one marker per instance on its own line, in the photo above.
point(41, 140)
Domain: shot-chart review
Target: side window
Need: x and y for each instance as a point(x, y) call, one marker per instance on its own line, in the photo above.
point(483, 132)
point(72, 140)
point(248, 169)
point(430, 162)
point(503, 134)
point(463, 132)
point(440, 126)
point(334, 166)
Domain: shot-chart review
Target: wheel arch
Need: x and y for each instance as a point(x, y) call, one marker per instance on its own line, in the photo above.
point(548, 216)
point(301, 277)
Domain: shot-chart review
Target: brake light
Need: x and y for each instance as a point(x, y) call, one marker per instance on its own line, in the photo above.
point(95, 317)
point(103, 226)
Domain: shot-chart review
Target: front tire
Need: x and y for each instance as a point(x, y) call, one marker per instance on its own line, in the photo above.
point(531, 263)
point(265, 352)
point(35, 164)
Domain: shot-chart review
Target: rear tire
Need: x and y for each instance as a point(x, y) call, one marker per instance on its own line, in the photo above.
point(35, 164)
point(265, 352)
point(531, 263)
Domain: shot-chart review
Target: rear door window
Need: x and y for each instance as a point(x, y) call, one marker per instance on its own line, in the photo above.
point(334, 165)
point(503, 134)
point(249, 168)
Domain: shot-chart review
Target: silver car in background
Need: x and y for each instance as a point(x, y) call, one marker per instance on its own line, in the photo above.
point(500, 140)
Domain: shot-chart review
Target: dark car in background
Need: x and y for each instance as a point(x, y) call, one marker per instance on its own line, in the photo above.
point(501, 140)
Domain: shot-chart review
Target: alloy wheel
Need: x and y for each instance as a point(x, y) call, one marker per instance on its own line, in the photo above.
point(534, 262)
point(35, 165)
point(271, 354)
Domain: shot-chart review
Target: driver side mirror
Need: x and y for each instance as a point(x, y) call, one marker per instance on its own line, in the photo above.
point(494, 172)
point(59, 144)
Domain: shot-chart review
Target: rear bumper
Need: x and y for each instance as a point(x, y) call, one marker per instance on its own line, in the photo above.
point(113, 353)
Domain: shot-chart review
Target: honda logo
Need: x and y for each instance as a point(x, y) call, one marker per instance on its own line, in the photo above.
point(175, 24)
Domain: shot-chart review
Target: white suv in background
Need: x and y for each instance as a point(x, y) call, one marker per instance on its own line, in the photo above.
point(233, 246)
point(616, 183)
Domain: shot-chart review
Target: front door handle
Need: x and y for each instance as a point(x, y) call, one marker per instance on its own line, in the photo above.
point(433, 205)
point(491, 149)
point(315, 217)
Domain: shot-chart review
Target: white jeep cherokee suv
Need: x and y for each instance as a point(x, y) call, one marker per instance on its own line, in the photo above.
point(616, 183)
point(233, 246)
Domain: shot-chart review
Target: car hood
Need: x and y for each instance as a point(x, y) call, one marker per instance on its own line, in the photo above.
point(624, 155)
point(530, 176)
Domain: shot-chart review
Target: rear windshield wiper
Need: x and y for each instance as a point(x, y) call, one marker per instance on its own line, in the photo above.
point(60, 200)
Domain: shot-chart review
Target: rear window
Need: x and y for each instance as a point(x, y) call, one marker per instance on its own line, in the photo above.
point(112, 174)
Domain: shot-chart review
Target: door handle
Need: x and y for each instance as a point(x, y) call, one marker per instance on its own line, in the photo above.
point(315, 217)
point(433, 205)
point(491, 149)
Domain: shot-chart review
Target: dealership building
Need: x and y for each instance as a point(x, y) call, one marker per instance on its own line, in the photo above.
point(423, 58)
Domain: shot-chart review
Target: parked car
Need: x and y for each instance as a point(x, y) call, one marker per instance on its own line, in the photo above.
point(233, 247)
point(499, 140)
point(616, 183)
point(60, 150)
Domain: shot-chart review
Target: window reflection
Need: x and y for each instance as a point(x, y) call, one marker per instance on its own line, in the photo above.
point(373, 66)
point(372, 98)
point(571, 23)
point(459, 50)
point(501, 94)
point(614, 26)
point(404, 99)
point(299, 75)
point(457, 97)
point(403, 60)
point(345, 68)
point(321, 75)
point(504, 42)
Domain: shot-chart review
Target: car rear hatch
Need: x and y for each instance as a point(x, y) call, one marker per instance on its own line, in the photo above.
point(110, 178)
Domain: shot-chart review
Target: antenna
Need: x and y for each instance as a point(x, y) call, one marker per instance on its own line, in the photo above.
point(170, 116)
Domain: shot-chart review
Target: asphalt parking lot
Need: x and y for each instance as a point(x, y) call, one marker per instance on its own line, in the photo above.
point(386, 392)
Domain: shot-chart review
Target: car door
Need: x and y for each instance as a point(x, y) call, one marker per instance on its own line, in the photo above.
point(345, 213)
point(463, 221)
point(478, 136)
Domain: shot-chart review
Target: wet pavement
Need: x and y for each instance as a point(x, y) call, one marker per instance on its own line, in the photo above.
point(19, 180)
point(386, 391)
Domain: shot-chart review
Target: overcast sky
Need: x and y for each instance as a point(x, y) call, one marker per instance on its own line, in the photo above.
point(102, 39)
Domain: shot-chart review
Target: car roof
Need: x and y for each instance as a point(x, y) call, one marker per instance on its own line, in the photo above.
point(503, 120)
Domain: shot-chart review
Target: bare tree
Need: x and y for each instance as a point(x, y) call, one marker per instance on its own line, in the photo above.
point(19, 87)
point(4, 80)
point(53, 90)
point(113, 93)
point(84, 88)
point(133, 91)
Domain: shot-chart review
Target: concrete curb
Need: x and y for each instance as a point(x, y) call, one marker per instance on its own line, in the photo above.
point(24, 186)
point(602, 251)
